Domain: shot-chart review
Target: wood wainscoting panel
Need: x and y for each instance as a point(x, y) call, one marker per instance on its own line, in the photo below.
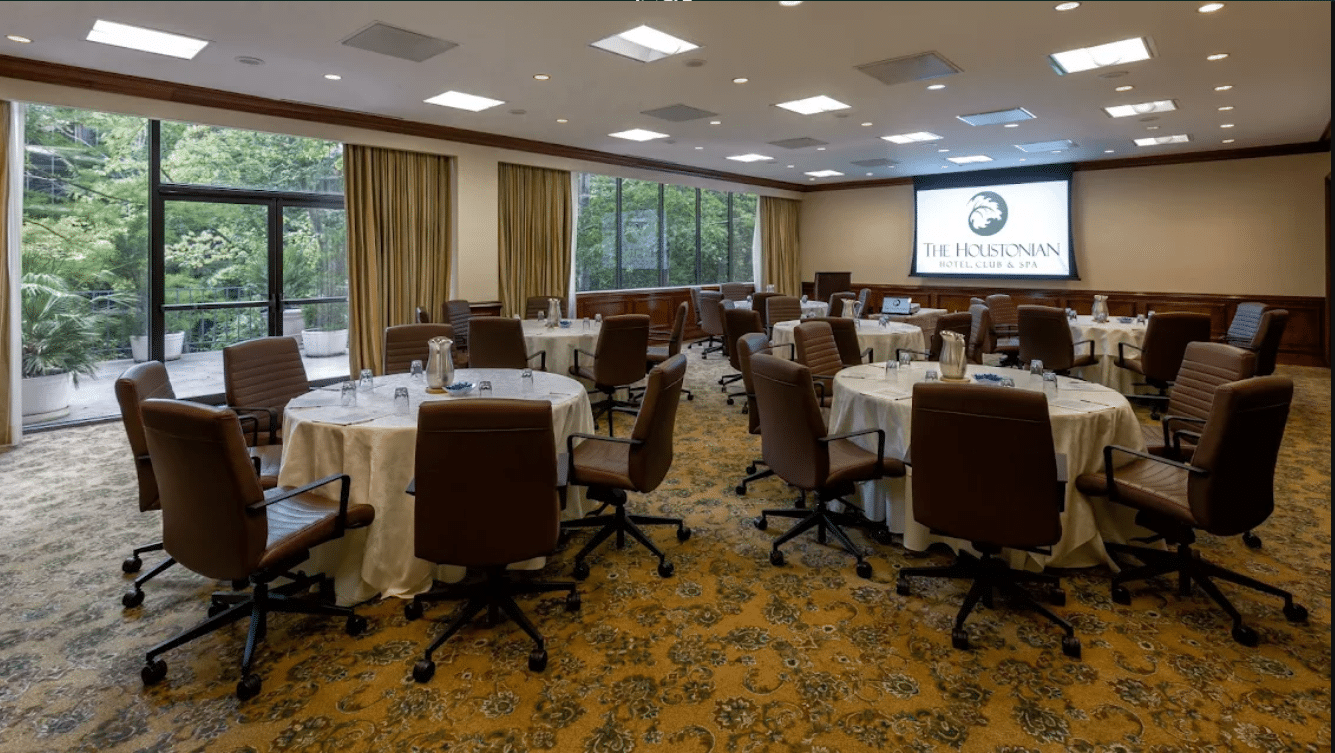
point(659, 303)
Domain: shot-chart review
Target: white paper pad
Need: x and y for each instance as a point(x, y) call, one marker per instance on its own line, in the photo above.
point(893, 391)
point(1078, 386)
point(1079, 406)
point(341, 416)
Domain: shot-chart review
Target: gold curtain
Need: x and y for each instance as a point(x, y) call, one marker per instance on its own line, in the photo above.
point(536, 214)
point(399, 235)
point(779, 253)
point(7, 352)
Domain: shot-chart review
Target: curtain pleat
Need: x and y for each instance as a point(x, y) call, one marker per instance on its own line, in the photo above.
point(8, 224)
point(779, 244)
point(399, 234)
point(536, 218)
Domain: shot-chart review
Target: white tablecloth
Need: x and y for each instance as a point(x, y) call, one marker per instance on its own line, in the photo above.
point(1106, 336)
point(924, 319)
point(864, 399)
point(883, 339)
point(378, 454)
point(809, 309)
point(561, 342)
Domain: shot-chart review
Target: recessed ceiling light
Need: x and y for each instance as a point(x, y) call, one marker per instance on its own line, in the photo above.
point(19, 39)
point(333, 77)
point(645, 44)
point(942, 151)
point(824, 173)
point(1223, 88)
point(789, 3)
point(790, 167)
point(541, 77)
point(868, 123)
point(740, 80)
point(716, 122)
point(1066, 6)
point(910, 138)
point(1100, 56)
point(145, 40)
point(698, 148)
point(970, 159)
point(1217, 56)
point(1011, 125)
point(638, 134)
point(562, 120)
point(820, 148)
point(1226, 108)
point(1124, 88)
point(935, 87)
point(1053, 145)
point(1226, 125)
point(868, 173)
point(1229, 141)
point(750, 158)
point(1143, 108)
point(1108, 151)
point(1151, 128)
point(248, 60)
point(1024, 159)
point(462, 101)
point(813, 105)
point(1209, 7)
point(1180, 138)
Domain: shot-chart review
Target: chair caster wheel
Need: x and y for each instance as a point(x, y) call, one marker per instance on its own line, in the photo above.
point(424, 670)
point(1121, 595)
point(412, 610)
point(132, 599)
point(751, 469)
point(683, 534)
point(572, 602)
point(864, 570)
point(746, 409)
point(1250, 539)
point(131, 564)
point(537, 660)
point(1295, 613)
point(959, 638)
point(1057, 597)
point(216, 608)
point(690, 396)
point(355, 626)
point(666, 569)
point(761, 523)
point(741, 490)
point(730, 401)
point(1071, 646)
point(153, 672)
point(326, 589)
point(581, 570)
point(1245, 635)
point(249, 687)
point(776, 558)
point(902, 586)
point(882, 536)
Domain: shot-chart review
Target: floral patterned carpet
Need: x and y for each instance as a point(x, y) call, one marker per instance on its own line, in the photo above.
point(731, 654)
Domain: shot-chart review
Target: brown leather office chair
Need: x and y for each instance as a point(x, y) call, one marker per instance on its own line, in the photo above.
point(736, 291)
point(498, 343)
point(760, 305)
point(816, 349)
point(837, 300)
point(459, 314)
point(1227, 488)
point(1159, 356)
point(797, 446)
point(748, 346)
point(782, 308)
point(144, 381)
point(260, 377)
point(537, 304)
point(960, 322)
point(827, 284)
point(1022, 513)
point(610, 467)
point(737, 322)
point(1005, 315)
point(657, 354)
point(695, 306)
point(1266, 342)
point(217, 521)
point(468, 452)
point(981, 339)
point(423, 316)
point(405, 343)
point(711, 321)
point(617, 361)
point(1205, 367)
point(1045, 335)
point(864, 296)
point(1246, 322)
point(845, 332)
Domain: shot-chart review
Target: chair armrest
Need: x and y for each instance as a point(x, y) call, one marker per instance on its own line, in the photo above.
point(241, 410)
point(1006, 330)
point(1108, 451)
point(570, 442)
point(342, 517)
point(880, 440)
point(1121, 351)
point(578, 351)
point(1169, 435)
point(246, 418)
point(792, 349)
point(542, 363)
point(1061, 468)
point(820, 386)
point(1090, 343)
point(865, 356)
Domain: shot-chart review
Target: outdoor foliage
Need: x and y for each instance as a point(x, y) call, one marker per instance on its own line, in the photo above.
point(60, 330)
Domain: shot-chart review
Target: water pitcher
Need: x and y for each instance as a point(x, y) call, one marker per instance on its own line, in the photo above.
point(1100, 308)
point(952, 356)
point(439, 364)
point(553, 312)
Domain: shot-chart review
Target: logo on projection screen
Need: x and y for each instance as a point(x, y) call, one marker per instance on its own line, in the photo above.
point(987, 213)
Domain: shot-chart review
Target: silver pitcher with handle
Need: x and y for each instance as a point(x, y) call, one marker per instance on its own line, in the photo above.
point(953, 362)
point(1100, 308)
point(553, 312)
point(439, 363)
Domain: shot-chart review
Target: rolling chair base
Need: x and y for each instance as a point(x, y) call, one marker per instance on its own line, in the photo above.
point(621, 523)
point(826, 522)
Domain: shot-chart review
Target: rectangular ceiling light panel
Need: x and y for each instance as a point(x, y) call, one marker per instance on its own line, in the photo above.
point(903, 70)
point(638, 134)
point(1181, 138)
point(750, 158)
point(398, 43)
point(912, 138)
point(145, 40)
point(970, 159)
point(1144, 108)
point(813, 105)
point(645, 44)
point(1101, 56)
point(461, 101)
point(825, 173)
point(1046, 146)
point(997, 117)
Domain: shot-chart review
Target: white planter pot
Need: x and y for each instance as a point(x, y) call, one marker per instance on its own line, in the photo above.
point(173, 345)
point(325, 342)
point(294, 321)
point(46, 398)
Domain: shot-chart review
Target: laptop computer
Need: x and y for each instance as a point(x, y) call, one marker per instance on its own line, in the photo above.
point(896, 305)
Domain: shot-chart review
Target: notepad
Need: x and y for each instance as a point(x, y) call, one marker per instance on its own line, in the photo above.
point(340, 416)
point(1079, 406)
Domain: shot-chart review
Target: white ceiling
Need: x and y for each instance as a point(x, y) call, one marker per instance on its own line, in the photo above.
point(1279, 66)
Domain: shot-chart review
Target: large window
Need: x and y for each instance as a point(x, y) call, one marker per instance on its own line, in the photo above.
point(639, 234)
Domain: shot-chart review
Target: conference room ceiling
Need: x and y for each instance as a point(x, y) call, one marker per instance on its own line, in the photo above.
point(1278, 66)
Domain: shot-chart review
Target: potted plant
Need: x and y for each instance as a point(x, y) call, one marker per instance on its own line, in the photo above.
point(329, 334)
point(60, 335)
point(173, 344)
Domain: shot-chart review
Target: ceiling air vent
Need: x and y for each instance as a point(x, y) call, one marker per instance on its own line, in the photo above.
point(679, 113)
point(1046, 146)
point(799, 143)
point(881, 162)
point(997, 117)
point(918, 67)
point(398, 43)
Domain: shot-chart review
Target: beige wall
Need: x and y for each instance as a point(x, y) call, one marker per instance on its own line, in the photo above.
point(1234, 227)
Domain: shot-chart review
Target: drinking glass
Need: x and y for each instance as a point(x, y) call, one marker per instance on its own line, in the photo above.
point(1151, 314)
point(891, 369)
point(416, 372)
point(1140, 318)
point(526, 380)
point(905, 358)
point(1036, 367)
point(484, 388)
point(367, 381)
point(542, 316)
point(1050, 384)
point(401, 400)
point(1007, 382)
point(347, 394)
point(769, 288)
point(587, 324)
point(931, 376)
point(804, 299)
point(598, 319)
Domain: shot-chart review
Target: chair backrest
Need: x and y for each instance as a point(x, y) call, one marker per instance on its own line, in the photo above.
point(459, 313)
point(485, 482)
point(829, 283)
point(1238, 449)
point(497, 343)
point(423, 316)
point(760, 303)
point(1246, 321)
point(736, 291)
point(1045, 335)
point(1266, 342)
point(738, 322)
point(790, 422)
point(138, 383)
point(695, 304)
point(1205, 366)
point(960, 321)
point(980, 332)
point(817, 349)
point(655, 425)
point(1004, 311)
point(837, 302)
point(619, 357)
point(537, 304)
point(955, 427)
point(678, 330)
point(263, 373)
point(863, 296)
point(711, 321)
point(405, 343)
point(782, 308)
point(845, 339)
point(748, 345)
point(205, 481)
point(1166, 338)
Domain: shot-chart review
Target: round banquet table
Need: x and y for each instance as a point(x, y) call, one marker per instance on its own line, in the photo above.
point(1085, 417)
point(1106, 336)
point(375, 446)
point(883, 339)
point(561, 342)
point(809, 309)
point(924, 319)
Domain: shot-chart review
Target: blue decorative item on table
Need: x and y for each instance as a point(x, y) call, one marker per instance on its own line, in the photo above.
point(565, 323)
point(993, 378)
point(1125, 319)
point(459, 388)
